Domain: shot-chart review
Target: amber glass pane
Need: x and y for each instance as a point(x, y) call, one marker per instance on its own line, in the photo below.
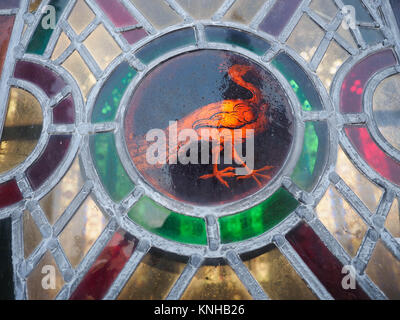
point(201, 9)
point(334, 57)
point(22, 129)
point(154, 278)
point(393, 219)
point(325, 8)
point(62, 44)
point(56, 201)
point(82, 231)
point(44, 273)
point(243, 11)
point(102, 47)
point(80, 16)
point(277, 277)
point(342, 221)
point(158, 12)
point(79, 70)
point(368, 192)
point(34, 4)
point(216, 283)
point(306, 38)
point(32, 235)
point(346, 35)
point(384, 270)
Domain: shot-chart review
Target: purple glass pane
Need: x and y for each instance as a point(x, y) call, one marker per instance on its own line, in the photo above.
point(117, 13)
point(64, 112)
point(133, 36)
point(9, 4)
point(279, 15)
point(51, 157)
point(44, 78)
point(353, 86)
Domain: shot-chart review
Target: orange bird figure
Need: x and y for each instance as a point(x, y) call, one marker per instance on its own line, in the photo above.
point(239, 114)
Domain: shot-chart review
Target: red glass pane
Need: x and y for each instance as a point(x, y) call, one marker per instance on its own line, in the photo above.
point(106, 268)
point(6, 26)
point(373, 154)
point(326, 267)
point(9, 194)
point(44, 167)
point(353, 86)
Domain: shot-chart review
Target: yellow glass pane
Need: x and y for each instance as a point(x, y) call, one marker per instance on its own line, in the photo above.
point(102, 47)
point(82, 231)
point(153, 279)
point(243, 11)
point(62, 44)
point(22, 129)
point(325, 8)
point(216, 283)
point(334, 57)
point(32, 235)
point(80, 16)
point(201, 9)
point(306, 38)
point(341, 220)
point(45, 281)
point(384, 270)
point(277, 277)
point(386, 105)
point(56, 201)
point(393, 219)
point(158, 13)
point(79, 70)
point(368, 192)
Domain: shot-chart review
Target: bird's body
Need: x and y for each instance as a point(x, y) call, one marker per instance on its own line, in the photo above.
point(227, 115)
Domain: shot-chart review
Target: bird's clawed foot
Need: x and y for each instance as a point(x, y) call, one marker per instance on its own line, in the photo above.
point(220, 175)
point(257, 175)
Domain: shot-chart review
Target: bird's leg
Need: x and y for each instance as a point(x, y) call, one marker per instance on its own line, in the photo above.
point(219, 174)
point(256, 174)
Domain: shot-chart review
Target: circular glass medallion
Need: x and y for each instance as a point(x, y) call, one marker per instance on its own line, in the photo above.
point(209, 127)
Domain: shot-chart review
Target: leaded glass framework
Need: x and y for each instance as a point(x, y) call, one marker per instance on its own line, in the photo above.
point(80, 79)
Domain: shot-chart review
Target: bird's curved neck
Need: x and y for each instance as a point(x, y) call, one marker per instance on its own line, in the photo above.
point(238, 79)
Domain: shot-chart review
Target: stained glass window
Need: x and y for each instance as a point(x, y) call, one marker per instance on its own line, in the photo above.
point(198, 149)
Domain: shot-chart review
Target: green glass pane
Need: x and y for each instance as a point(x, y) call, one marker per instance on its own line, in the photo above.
point(110, 96)
point(237, 38)
point(168, 224)
point(301, 84)
point(43, 32)
point(166, 43)
point(109, 167)
point(313, 157)
point(257, 220)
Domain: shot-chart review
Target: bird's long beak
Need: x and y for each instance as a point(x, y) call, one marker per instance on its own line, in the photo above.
point(202, 123)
